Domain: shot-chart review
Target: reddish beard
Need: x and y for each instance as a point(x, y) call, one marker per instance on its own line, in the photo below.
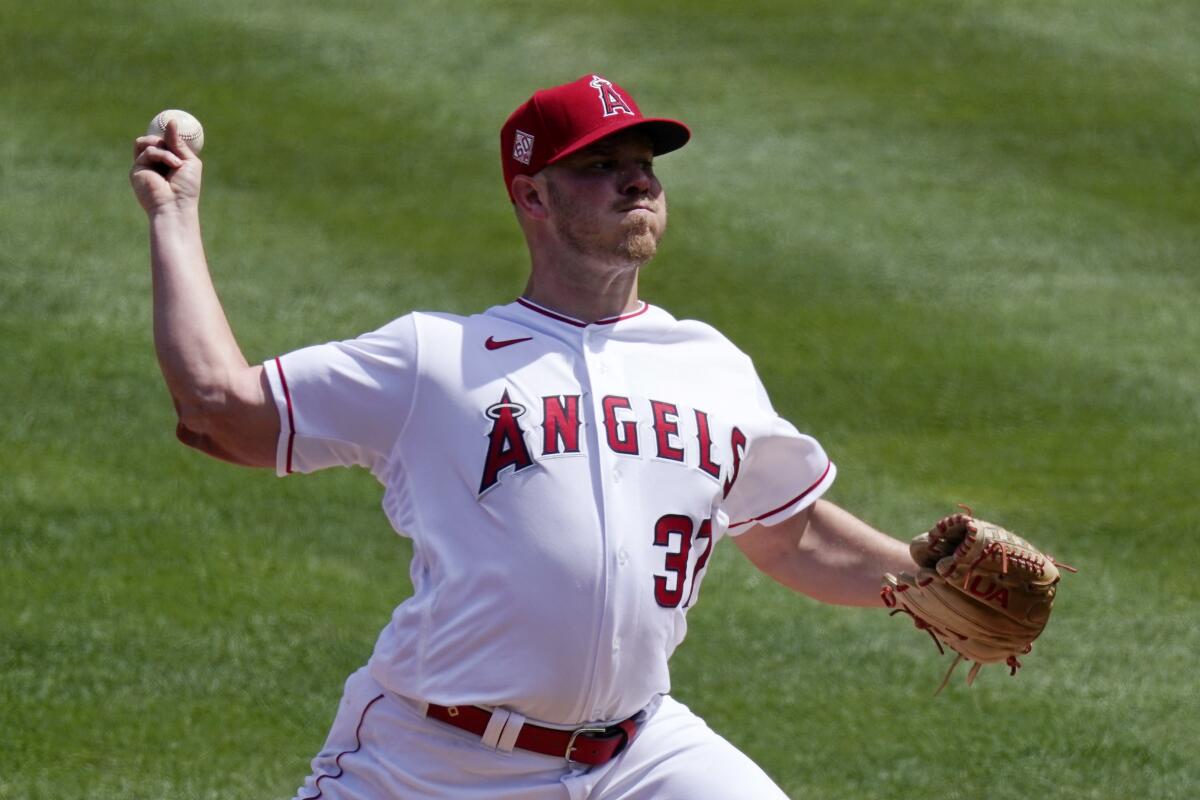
point(640, 243)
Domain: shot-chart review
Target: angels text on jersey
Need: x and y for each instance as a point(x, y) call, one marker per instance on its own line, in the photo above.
point(636, 427)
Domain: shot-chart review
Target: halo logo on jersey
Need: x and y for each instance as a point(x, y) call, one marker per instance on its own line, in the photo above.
point(613, 103)
point(523, 147)
point(506, 441)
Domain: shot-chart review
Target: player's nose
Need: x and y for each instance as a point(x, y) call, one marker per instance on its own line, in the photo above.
point(637, 180)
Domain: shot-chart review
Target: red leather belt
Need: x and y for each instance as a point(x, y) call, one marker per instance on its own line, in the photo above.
point(586, 745)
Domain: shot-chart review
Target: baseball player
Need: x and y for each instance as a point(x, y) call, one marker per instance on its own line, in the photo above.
point(564, 464)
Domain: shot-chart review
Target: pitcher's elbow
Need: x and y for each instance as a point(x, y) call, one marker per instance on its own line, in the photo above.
point(236, 421)
point(197, 425)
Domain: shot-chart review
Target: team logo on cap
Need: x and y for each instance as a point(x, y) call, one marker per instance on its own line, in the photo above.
point(523, 147)
point(613, 103)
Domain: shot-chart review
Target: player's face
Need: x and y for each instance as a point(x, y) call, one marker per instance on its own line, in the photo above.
point(606, 202)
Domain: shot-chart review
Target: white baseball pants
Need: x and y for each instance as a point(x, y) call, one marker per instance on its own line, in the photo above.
point(381, 748)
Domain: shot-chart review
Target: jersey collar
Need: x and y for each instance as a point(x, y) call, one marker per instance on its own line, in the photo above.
point(558, 316)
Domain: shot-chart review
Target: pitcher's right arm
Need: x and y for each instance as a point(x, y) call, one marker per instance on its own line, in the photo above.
point(224, 405)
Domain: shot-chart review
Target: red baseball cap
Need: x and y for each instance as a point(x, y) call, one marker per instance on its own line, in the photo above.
point(556, 122)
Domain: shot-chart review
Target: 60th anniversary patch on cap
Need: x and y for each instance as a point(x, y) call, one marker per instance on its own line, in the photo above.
point(523, 147)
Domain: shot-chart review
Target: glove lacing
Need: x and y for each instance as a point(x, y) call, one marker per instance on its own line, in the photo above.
point(888, 594)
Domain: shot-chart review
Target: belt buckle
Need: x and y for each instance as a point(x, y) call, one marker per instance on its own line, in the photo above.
point(575, 735)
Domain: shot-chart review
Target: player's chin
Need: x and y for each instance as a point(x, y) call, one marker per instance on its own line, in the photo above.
point(640, 246)
point(642, 232)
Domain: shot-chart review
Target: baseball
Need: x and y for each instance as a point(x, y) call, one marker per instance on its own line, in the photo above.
point(190, 129)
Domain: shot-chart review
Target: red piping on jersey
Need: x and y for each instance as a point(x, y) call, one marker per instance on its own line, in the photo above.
point(287, 396)
point(579, 323)
point(337, 762)
point(791, 502)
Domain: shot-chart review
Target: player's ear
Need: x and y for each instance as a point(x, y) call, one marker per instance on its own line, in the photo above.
point(529, 195)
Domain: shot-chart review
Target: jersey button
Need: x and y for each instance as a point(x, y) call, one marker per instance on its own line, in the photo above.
point(622, 556)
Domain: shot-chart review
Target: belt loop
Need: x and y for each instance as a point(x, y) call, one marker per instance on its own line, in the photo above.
point(512, 728)
point(495, 726)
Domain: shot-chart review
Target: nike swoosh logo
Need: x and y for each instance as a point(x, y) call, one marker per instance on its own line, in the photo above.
point(492, 344)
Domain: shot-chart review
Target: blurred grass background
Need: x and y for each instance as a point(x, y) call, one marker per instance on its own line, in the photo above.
point(960, 240)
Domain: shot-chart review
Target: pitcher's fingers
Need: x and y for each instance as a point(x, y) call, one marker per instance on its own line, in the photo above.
point(156, 155)
point(142, 142)
point(174, 140)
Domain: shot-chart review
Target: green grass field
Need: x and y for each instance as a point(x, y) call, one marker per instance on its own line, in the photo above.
point(960, 240)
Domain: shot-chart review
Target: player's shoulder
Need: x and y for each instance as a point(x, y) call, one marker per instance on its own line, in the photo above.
point(445, 333)
point(415, 331)
point(701, 331)
point(702, 334)
point(448, 323)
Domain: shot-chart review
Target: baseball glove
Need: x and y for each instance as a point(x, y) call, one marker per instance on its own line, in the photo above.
point(980, 590)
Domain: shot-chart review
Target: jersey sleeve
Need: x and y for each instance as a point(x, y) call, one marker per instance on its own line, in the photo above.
point(344, 403)
point(780, 472)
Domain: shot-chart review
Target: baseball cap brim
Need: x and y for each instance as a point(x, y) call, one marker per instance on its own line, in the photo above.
point(665, 134)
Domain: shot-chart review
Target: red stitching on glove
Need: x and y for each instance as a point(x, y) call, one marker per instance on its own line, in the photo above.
point(1005, 554)
point(922, 625)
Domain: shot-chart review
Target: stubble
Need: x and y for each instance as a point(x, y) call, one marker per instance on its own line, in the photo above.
point(636, 245)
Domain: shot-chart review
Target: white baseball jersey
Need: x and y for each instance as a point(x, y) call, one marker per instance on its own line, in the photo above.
point(563, 484)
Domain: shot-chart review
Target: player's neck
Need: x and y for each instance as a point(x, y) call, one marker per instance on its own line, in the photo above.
point(585, 295)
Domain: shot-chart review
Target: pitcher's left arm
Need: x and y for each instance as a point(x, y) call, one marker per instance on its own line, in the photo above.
point(828, 554)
